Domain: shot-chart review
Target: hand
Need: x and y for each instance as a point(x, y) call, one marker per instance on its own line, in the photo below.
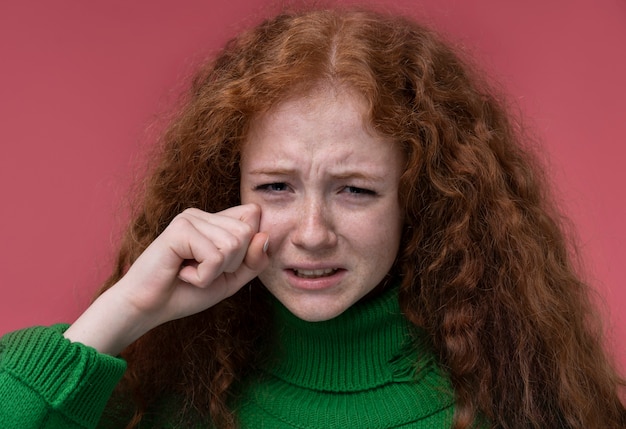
point(199, 260)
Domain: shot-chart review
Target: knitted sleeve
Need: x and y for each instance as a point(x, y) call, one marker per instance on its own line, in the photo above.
point(48, 382)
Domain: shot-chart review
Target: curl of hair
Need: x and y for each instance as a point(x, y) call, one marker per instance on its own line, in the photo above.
point(484, 263)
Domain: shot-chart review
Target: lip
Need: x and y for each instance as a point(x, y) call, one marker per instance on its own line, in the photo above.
point(312, 282)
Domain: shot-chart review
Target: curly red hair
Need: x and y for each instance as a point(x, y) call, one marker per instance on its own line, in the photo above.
point(484, 263)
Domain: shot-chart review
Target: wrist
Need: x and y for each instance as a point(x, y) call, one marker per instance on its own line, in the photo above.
point(108, 325)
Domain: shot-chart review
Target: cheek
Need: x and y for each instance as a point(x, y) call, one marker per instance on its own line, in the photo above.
point(376, 235)
point(248, 196)
point(385, 244)
point(389, 232)
point(244, 195)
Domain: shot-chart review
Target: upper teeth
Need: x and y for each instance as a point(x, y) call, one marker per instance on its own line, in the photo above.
point(314, 273)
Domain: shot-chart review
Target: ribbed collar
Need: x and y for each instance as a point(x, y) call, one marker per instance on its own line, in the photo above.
point(369, 345)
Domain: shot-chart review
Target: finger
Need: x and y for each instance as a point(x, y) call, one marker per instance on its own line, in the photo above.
point(190, 299)
point(203, 261)
point(240, 224)
point(232, 243)
point(207, 261)
point(247, 213)
point(251, 214)
point(255, 262)
point(256, 259)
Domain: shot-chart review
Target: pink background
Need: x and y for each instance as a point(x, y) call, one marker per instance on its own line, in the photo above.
point(81, 84)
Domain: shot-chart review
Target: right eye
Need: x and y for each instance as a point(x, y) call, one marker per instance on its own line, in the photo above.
point(272, 187)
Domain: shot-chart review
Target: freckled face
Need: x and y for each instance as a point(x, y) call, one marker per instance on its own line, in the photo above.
point(327, 186)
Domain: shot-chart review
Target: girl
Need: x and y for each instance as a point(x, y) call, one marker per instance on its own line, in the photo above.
point(343, 229)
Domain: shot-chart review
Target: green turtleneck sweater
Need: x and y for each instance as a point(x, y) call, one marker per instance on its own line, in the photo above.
point(367, 368)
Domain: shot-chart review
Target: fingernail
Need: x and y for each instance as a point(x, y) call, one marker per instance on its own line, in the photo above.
point(266, 245)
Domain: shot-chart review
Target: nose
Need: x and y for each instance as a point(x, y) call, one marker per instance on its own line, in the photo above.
point(314, 228)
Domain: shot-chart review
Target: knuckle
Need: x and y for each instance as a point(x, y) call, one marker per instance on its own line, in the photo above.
point(215, 259)
point(253, 208)
point(246, 230)
point(190, 211)
point(232, 242)
point(181, 222)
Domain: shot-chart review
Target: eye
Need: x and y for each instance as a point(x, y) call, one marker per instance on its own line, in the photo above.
point(272, 187)
point(354, 190)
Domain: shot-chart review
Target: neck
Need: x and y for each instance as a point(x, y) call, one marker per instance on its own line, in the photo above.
point(364, 347)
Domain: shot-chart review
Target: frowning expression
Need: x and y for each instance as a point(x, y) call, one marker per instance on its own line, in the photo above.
point(327, 185)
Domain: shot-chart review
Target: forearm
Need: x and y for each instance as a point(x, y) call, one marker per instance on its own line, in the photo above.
point(109, 325)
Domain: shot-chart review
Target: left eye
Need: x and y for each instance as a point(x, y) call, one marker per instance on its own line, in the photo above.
point(358, 191)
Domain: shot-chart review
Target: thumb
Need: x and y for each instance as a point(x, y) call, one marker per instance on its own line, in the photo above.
point(256, 258)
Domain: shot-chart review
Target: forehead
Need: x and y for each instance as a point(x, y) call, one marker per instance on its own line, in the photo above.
point(329, 112)
point(319, 100)
point(325, 128)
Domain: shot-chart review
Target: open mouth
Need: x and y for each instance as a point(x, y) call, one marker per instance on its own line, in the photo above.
point(314, 274)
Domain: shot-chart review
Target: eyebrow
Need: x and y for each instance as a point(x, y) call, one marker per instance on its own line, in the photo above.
point(273, 172)
point(283, 172)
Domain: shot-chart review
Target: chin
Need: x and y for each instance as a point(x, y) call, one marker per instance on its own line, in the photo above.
point(315, 309)
point(316, 317)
